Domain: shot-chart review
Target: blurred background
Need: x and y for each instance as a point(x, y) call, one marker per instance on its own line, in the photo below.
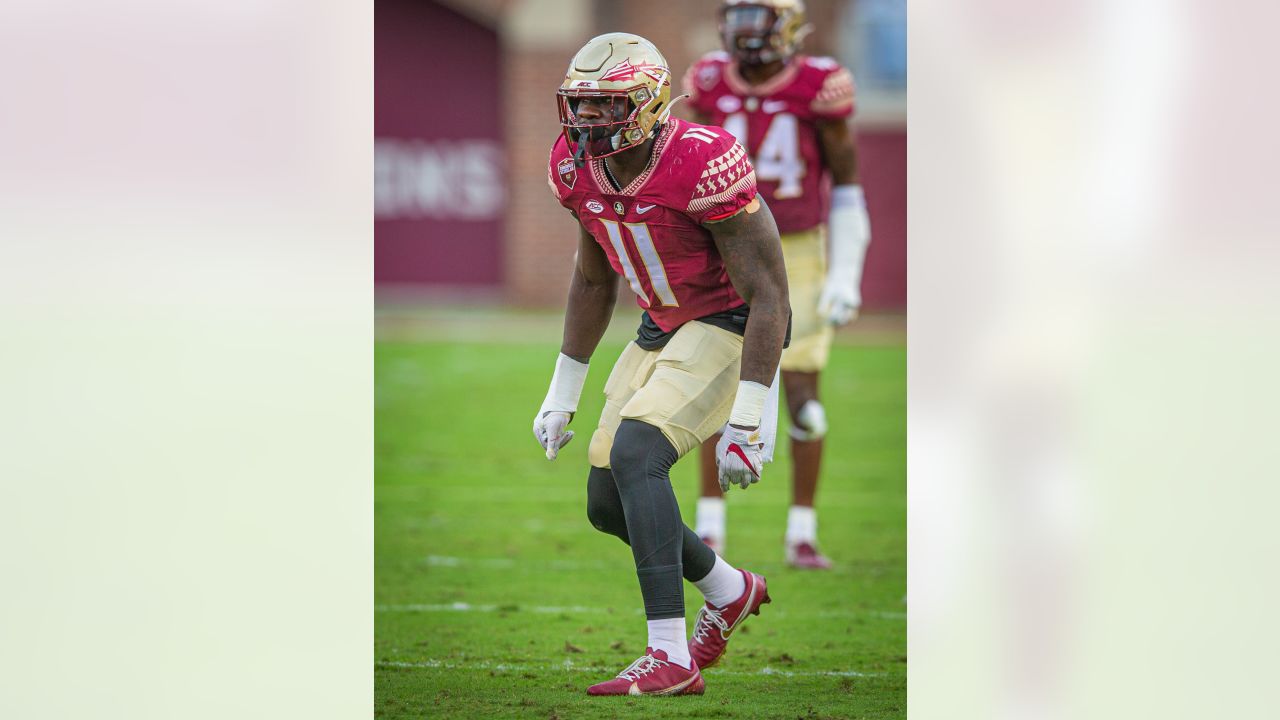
point(465, 116)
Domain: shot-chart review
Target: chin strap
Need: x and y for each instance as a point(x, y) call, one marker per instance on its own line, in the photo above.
point(579, 155)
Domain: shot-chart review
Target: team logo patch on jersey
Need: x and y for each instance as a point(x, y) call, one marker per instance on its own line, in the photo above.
point(568, 173)
point(617, 207)
point(728, 103)
point(595, 206)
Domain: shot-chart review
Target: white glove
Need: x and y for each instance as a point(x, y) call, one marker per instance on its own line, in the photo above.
point(739, 457)
point(560, 404)
point(840, 300)
point(549, 429)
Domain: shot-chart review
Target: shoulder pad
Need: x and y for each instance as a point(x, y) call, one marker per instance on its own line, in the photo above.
point(704, 74)
point(725, 181)
point(835, 97)
point(700, 139)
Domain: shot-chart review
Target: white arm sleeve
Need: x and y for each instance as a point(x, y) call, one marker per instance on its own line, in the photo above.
point(849, 231)
point(566, 385)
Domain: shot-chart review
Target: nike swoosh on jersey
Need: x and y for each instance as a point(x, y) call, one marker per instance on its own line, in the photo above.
point(773, 106)
point(643, 210)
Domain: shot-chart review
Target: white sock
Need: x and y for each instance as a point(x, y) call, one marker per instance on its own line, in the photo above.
point(802, 525)
point(710, 520)
point(668, 636)
point(723, 584)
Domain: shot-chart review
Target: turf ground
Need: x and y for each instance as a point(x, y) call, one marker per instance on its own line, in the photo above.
point(495, 598)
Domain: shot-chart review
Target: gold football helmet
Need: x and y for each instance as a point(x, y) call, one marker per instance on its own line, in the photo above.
point(758, 32)
point(626, 83)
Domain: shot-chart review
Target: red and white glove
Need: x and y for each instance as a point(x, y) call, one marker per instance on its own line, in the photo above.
point(739, 457)
point(559, 406)
point(740, 452)
point(549, 429)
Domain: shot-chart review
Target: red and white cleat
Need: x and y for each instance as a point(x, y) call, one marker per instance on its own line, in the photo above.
point(714, 625)
point(805, 556)
point(652, 674)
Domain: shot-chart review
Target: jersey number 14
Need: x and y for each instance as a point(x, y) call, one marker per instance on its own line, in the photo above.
point(779, 158)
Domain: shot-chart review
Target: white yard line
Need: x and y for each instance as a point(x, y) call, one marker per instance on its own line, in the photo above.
point(570, 666)
point(502, 563)
point(468, 607)
point(508, 563)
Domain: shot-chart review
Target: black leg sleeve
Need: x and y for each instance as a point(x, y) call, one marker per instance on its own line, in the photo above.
point(604, 510)
point(642, 458)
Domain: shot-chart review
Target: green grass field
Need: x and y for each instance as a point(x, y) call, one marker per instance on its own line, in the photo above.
point(495, 598)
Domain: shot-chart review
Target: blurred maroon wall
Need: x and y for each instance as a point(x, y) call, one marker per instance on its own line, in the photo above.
point(882, 162)
point(440, 191)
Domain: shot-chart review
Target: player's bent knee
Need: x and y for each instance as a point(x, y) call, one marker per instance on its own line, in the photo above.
point(633, 444)
point(604, 506)
point(598, 451)
point(607, 518)
point(597, 513)
point(811, 422)
point(626, 450)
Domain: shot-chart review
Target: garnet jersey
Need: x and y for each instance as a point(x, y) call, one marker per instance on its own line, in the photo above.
point(652, 229)
point(776, 121)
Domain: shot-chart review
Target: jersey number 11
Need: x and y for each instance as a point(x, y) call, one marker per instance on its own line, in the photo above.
point(643, 241)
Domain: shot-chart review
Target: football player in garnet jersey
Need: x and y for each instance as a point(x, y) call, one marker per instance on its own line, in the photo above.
point(791, 113)
point(670, 206)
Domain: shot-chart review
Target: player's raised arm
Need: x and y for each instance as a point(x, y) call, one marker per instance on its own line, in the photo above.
point(592, 293)
point(849, 228)
point(752, 252)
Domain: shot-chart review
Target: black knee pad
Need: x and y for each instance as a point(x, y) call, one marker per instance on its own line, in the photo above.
point(604, 507)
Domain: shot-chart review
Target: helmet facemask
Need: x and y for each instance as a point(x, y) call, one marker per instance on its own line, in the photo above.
point(619, 127)
point(759, 33)
point(751, 34)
